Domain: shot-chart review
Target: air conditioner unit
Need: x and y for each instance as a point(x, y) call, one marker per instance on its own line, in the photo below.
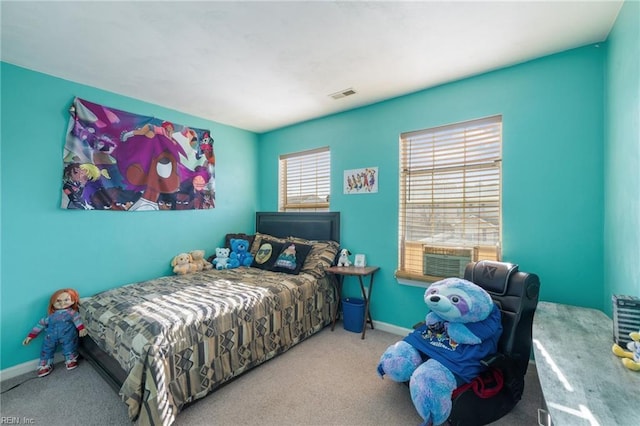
point(445, 262)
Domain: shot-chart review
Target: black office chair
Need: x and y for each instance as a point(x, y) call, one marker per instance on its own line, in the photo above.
point(516, 294)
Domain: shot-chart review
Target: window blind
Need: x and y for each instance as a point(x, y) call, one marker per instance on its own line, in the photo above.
point(450, 196)
point(305, 180)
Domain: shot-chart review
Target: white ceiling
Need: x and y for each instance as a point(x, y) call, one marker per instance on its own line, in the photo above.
point(264, 65)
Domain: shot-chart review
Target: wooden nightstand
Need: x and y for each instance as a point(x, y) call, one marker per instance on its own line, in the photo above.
point(359, 271)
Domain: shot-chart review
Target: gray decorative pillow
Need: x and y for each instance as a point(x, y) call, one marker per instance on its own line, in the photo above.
point(321, 256)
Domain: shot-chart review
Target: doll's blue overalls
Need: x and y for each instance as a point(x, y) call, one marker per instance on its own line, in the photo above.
point(60, 329)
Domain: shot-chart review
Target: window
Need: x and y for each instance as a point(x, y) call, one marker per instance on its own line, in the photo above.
point(305, 181)
point(450, 198)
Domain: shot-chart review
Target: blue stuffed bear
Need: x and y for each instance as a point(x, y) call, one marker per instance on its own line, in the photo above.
point(240, 255)
point(462, 327)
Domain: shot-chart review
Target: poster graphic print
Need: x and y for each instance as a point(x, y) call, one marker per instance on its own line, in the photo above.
point(117, 160)
point(361, 181)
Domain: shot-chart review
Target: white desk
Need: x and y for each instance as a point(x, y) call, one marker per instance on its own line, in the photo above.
point(582, 381)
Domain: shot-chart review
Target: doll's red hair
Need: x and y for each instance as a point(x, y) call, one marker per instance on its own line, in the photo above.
point(72, 293)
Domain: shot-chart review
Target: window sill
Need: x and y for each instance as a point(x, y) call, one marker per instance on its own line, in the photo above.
point(414, 283)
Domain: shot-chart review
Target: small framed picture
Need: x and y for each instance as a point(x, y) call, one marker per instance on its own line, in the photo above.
point(361, 181)
point(360, 261)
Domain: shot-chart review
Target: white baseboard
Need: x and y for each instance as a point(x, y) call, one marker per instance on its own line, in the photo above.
point(390, 328)
point(25, 367)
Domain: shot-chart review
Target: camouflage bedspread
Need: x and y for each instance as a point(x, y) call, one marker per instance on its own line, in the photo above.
point(181, 337)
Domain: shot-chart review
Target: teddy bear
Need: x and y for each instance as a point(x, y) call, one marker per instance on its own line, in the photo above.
point(182, 264)
point(240, 252)
point(462, 327)
point(61, 327)
point(197, 258)
point(630, 358)
point(343, 260)
point(222, 261)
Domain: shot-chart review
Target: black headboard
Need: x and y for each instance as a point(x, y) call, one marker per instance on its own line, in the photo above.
point(311, 226)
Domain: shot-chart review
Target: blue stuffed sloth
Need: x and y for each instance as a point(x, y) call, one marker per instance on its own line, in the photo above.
point(462, 327)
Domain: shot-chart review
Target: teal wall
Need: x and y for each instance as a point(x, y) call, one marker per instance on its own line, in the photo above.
point(622, 157)
point(45, 248)
point(552, 112)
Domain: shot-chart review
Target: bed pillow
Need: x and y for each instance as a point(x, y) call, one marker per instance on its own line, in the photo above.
point(321, 256)
point(266, 254)
point(229, 237)
point(259, 237)
point(291, 258)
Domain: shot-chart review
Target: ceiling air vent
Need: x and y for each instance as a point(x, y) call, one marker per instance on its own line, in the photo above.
point(343, 93)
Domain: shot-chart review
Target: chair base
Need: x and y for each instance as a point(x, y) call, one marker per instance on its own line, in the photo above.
point(470, 410)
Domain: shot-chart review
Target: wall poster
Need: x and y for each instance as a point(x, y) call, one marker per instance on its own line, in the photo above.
point(117, 160)
point(361, 181)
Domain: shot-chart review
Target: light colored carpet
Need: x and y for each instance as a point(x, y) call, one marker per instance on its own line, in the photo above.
point(329, 379)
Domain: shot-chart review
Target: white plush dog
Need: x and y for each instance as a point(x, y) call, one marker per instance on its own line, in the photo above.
point(343, 260)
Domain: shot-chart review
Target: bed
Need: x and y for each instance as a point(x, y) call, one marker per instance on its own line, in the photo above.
point(167, 342)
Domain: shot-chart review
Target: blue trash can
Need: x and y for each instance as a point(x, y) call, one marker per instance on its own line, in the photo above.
point(353, 314)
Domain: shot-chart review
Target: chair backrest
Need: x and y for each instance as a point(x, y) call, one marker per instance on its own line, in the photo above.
point(516, 294)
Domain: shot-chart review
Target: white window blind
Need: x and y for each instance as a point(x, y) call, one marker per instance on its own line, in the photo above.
point(450, 198)
point(305, 179)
